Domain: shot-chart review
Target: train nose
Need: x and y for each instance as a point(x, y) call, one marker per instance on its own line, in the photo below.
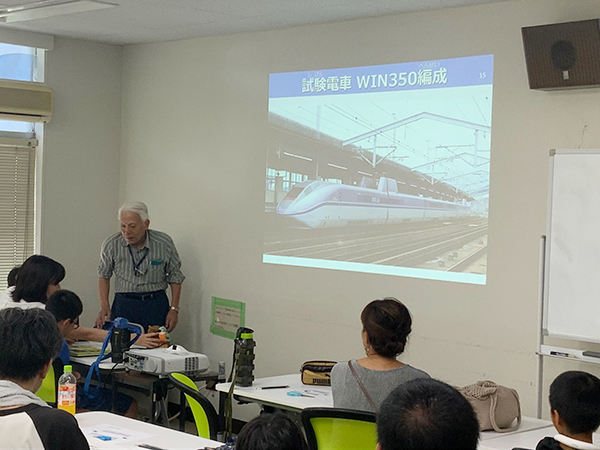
point(283, 206)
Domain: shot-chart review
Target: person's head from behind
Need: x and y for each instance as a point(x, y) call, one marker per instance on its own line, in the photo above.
point(39, 277)
point(426, 414)
point(271, 432)
point(134, 222)
point(575, 403)
point(66, 307)
point(29, 341)
point(386, 326)
point(11, 279)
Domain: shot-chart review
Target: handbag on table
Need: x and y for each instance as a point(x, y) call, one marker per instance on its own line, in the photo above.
point(496, 406)
point(317, 372)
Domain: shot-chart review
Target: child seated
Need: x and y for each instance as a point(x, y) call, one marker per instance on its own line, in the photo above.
point(271, 432)
point(575, 411)
point(66, 307)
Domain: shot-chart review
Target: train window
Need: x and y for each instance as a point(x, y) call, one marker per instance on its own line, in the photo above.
point(294, 193)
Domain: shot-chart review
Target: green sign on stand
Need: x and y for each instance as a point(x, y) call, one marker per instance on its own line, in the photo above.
point(226, 317)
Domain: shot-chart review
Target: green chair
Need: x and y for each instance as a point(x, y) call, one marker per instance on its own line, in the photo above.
point(339, 429)
point(48, 389)
point(205, 415)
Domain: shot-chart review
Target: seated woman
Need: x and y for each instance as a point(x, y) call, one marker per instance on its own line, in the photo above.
point(365, 383)
point(39, 279)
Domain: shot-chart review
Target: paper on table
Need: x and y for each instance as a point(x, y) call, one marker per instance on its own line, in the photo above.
point(81, 351)
point(316, 392)
point(116, 434)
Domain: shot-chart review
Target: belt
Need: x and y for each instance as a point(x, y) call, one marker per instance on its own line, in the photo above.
point(142, 295)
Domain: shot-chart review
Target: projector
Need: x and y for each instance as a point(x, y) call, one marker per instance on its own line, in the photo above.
point(163, 361)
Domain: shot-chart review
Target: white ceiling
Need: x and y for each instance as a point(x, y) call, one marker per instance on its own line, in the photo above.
point(143, 21)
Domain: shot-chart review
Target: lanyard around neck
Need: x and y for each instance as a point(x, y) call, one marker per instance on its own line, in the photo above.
point(136, 266)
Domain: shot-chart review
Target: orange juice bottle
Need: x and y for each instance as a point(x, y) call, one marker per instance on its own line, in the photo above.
point(67, 389)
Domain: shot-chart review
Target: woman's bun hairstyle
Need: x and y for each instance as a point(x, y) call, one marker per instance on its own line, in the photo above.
point(388, 324)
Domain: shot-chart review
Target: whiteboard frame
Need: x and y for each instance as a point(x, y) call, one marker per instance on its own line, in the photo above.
point(544, 280)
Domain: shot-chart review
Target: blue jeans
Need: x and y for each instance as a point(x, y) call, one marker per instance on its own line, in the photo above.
point(150, 308)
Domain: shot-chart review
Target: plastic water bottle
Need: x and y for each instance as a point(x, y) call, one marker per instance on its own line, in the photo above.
point(67, 390)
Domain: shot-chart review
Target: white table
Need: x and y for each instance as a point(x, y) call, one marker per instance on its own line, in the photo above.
point(107, 364)
point(164, 438)
point(527, 424)
point(278, 398)
point(526, 439)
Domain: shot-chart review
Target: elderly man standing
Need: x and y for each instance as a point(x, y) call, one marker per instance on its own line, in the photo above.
point(144, 262)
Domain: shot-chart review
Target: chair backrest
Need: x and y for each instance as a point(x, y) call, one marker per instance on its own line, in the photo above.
point(205, 415)
point(339, 429)
point(47, 390)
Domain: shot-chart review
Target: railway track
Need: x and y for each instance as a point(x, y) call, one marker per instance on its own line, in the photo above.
point(460, 266)
point(398, 246)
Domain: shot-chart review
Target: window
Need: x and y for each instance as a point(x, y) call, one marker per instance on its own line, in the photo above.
point(18, 63)
point(271, 174)
point(17, 188)
point(291, 178)
point(17, 167)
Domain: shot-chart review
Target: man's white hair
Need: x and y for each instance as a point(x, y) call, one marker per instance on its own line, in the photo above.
point(135, 207)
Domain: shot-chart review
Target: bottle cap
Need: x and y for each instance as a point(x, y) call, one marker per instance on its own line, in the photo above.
point(68, 368)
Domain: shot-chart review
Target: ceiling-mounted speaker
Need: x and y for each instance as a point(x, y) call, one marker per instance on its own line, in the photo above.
point(563, 55)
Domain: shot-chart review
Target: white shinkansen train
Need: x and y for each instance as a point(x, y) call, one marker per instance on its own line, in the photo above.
point(320, 204)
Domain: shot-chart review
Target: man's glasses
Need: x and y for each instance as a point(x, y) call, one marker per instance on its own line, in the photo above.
point(75, 323)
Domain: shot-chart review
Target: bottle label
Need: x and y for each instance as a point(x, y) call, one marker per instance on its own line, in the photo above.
point(67, 394)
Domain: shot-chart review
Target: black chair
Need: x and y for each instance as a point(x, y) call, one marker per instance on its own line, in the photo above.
point(339, 429)
point(205, 415)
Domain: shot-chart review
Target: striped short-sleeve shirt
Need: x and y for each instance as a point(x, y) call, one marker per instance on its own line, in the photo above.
point(160, 264)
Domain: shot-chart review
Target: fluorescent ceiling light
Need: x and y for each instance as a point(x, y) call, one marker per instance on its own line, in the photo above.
point(298, 156)
point(49, 8)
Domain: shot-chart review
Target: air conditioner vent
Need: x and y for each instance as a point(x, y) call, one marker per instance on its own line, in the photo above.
point(25, 101)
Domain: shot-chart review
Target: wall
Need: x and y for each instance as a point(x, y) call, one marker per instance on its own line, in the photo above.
point(80, 161)
point(193, 147)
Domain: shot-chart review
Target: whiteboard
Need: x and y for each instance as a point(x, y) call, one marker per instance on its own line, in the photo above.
point(572, 263)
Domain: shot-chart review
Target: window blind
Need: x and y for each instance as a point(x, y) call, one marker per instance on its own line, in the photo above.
point(17, 205)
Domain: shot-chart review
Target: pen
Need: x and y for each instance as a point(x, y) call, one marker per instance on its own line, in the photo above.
point(563, 354)
point(275, 387)
point(150, 447)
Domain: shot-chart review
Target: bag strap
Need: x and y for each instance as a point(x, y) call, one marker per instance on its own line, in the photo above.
point(493, 405)
point(362, 387)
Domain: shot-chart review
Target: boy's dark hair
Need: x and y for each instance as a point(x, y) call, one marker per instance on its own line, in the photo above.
point(388, 324)
point(426, 413)
point(36, 274)
point(11, 279)
point(575, 396)
point(29, 339)
point(271, 431)
point(64, 304)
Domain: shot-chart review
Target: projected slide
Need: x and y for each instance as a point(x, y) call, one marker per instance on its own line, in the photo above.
point(381, 169)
